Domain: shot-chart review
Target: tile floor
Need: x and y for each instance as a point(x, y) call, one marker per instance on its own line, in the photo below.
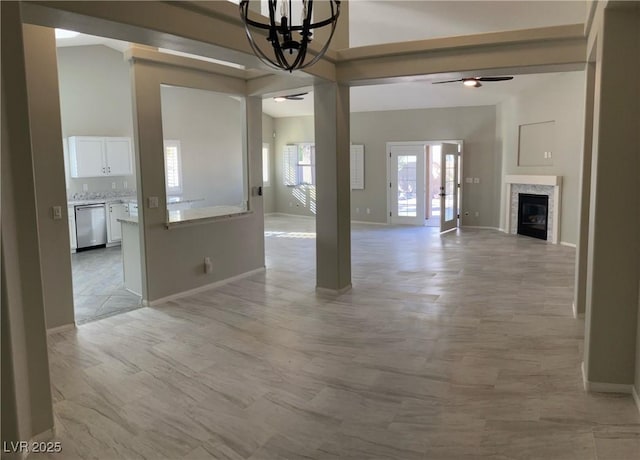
point(98, 285)
point(460, 346)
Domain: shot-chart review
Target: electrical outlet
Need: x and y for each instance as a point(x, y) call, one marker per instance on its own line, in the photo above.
point(476, 180)
point(477, 214)
point(113, 185)
point(208, 266)
point(125, 184)
point(85, 187)
point(357, 210)
point(368, 210)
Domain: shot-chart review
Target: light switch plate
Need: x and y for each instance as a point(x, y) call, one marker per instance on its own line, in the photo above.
point(469, 180)
point(153, 202)
point(57, 212)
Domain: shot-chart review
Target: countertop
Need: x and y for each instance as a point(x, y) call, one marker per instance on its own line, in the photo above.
point(115, 199)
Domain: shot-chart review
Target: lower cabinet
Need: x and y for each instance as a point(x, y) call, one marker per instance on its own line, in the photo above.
point(115, 211)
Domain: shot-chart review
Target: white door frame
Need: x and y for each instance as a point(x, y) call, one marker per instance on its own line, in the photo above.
point(460, 142)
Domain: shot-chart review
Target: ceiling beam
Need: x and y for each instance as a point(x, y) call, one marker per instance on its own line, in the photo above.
point(211, 29)
point(525, 51)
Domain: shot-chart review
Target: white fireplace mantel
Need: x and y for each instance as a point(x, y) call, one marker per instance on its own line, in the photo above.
point(551, 181)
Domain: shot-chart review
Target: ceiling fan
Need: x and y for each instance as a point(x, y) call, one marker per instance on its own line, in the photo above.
point(474, 82)
point(290, 97)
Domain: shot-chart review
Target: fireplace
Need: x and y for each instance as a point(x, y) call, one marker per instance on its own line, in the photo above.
point(533, 215)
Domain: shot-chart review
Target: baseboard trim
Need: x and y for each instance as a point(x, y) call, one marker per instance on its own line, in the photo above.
point(276, 214)
point(322, 290)
point(569, 245)
point(206, 287)
point(481, 227)
point(636, 398)
point(63, 328)
point(602, 387)
point(369, 223)
point(502, 230)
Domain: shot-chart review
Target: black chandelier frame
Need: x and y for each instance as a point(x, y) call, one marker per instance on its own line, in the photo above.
point(281, 35)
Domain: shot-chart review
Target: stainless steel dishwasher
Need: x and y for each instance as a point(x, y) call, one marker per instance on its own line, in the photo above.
point(91, 226)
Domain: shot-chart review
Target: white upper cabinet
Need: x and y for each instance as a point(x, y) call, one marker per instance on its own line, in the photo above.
point(100, 156)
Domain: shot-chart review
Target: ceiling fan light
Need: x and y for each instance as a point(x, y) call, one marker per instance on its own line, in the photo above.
point(279, 98)
point(471, 83)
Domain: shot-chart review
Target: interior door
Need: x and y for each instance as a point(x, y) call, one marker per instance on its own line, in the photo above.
point(407, 184)
point(449, 187)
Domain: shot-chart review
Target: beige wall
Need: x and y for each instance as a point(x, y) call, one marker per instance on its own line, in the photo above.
point(560, 98)
point(95, 100)
point(209, 128)
point(474, 125)
point(174, 257)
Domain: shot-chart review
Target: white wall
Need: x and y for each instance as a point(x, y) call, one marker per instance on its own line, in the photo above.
point(561, 99)
point(268, 192)
point(209, 128)
point(95, 100)
point(475, 125)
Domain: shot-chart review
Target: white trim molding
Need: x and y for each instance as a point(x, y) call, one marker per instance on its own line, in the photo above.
point(636, 397)
point(206, 287)
point(551, 181)
point(603, 387)
point(569, 245)
point(63, 328)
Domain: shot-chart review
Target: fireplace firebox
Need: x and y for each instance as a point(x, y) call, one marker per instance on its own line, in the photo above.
point(533, 213)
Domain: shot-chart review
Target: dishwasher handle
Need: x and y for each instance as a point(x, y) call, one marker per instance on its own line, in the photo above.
point(89, 206)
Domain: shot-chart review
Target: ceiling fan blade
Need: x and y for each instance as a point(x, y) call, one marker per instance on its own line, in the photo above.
point(296, 97)
point(448, 81)
point(493, 78)
point(293, 98)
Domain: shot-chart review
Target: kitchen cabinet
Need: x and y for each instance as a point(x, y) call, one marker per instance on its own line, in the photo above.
point(71, 212)
point(91, 156)
point(115, 211)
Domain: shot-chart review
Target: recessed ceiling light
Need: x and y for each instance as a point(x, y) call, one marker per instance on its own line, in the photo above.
point(63, 33)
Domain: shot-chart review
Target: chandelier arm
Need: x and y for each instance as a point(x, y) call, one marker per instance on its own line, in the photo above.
point(282, 35)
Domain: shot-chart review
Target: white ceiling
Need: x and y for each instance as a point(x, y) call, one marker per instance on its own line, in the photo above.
point(373, 22)
point(378, 21)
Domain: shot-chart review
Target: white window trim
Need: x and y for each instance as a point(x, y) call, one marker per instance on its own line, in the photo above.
point(173, 143)
point(266, 163)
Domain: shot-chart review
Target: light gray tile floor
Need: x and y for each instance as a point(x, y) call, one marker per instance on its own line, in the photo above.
point(455, 346)
point(98, 285)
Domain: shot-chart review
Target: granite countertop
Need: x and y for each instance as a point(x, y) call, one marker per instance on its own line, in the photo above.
point(133, 220)
point(98, 200)
point(180, 199)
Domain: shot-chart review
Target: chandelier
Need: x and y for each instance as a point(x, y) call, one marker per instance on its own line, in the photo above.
point(289, 38)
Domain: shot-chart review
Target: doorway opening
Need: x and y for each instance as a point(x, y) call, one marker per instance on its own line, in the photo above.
point(424, 183)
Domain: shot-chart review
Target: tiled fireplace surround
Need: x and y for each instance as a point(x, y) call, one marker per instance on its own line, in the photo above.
point(540, 185)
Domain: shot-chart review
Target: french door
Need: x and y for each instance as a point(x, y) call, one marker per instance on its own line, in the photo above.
point(449, 187)
point(407, 183)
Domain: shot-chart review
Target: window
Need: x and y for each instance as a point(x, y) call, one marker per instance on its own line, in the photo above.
point(172, 167)
point(299, 164)
point(265, 165)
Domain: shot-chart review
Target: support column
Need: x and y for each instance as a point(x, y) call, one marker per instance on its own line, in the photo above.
point(27, 410)
point(333, 188)
point(580, 285)
point(613, 272)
